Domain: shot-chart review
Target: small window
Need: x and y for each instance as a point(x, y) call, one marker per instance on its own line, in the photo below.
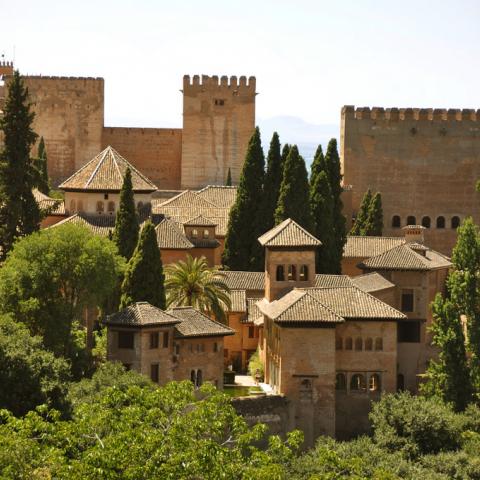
point(220, 102)
point(165, 339)
point(426, 222)
point(440, 222)
point(369, 344)
point(215, 347)
point(176, 347)
point(80, 206)
point(194, 233)
point(111, 207)
point(348, 343)
point(72, 206)
point(396, 222)
point(199, 379)
point(280, 273)
point(154, 370)
point(408, 332)
point(206, 233)
point(304, 273)
point(193, 376)
point(125, 340)
point(340, 382)
point(358, 344)
point(100, 207)
point(154, 340)
point(455, 222)
point(411, 220)
point(339, 343)
point(139, 206)
point(400, 382)
point(105, 196)
point(292, 273)
point(378, 344)
point(357, 382)
point(251, 332)
point(374, 382)
point(407, 300)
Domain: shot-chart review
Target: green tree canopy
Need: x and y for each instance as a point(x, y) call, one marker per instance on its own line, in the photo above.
point(374, 223)
point(19, 212)
point(144, 278)
point(43, 181)
point(125, 234)
point(228, 182)
point(318, 164)
point(362, 215)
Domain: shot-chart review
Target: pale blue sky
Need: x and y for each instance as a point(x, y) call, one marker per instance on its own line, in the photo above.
point(309, 57)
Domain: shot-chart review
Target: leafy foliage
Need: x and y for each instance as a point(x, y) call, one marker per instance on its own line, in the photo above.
point(374, 223)
point(43, 181)
point(362, 215)
point(228, 181)
point(255, 365)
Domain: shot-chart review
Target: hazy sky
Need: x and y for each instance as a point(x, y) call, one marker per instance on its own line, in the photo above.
point(309, 57)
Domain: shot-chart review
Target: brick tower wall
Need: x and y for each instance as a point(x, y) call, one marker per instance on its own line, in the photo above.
point(218, 121)
point(424, 162)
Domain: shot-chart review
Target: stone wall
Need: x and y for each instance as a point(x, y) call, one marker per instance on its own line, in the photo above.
point(424, 162)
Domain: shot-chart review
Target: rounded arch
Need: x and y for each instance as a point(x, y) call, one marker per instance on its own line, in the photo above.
point(339, 343)
point(411, 220)
point(348, 343)
point(400, 382)
point(80, 205)
point(73, 206)
point(426, 222)
point(358, 344)
point(292, 273)
point(455, 222)
point(304, 273)
point(441, 222)
point(100, 206)
point(369, 344)
point(379, 344)
point(340, 382)
point(357, 382)
point(396, 221)
point(139, 206)
point(280, 274)
point(374, 382)
point(111, 207)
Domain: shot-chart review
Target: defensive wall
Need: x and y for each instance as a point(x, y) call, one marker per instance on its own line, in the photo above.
point(425, 163)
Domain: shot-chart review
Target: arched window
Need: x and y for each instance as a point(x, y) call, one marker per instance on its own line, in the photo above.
point(440, 222)
point(400, 382)
point(304, 273)
point(193, 376)
point(80, 206)
point(139, 206)
point(374, 382)
point(340, 382)
point(280, 273)
point(206, 233)
point(111, 207)
point(339, 343)
point(378, 344)
point(72, 206)
point(369, 344)
point(426, 222)
point(358, 344)
point(357, 382)
point(348, 343)
point(396, 222)
point(292, 273)
point(194, 233)
point(411, 220)
point(100, 207)
point(455, 222)
point(199, 378)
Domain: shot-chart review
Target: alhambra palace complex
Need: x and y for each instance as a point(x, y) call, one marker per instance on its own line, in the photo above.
point(330, 343)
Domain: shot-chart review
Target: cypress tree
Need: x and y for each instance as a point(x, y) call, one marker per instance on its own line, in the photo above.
point(144, 278)
point(273, 180)
point(332, 166)
point(41, 165)
point(293, 200)
point(374, 223)
point(318, 164)
point(362, 215)
point(228, 182)
point(285, 151)
point(19, 212)
point(125, 234)
point(240, 240)
point(321, 205)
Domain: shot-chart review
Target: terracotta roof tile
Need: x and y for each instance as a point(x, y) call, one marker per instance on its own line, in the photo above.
point(101, 225)
point(238, 280)
point(322, 280)
point(221, 196)
point(141, 314)
point(371, 282)
point(239, 300)
point(253, 312)
point(364, 247)
point(288, 234)
point(55, 206)
point(200, 221)
point(196, 324)
point(189, 199)
point(169, 236)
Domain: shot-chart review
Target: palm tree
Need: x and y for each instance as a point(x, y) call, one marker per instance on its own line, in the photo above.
point(193, 283)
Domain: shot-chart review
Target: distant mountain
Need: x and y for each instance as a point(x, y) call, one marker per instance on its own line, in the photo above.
point(295, 130)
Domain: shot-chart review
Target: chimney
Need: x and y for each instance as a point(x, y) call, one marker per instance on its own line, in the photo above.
point(414, 234)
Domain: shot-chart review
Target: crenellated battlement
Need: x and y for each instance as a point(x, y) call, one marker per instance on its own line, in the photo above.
point(205, 82)
point(5, 63)
point(412, 114)
point(47, 77)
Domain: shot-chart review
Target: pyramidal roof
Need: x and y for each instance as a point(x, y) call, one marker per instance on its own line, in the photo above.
point(169, 236)
point(105, 172)
point(200, 221)
point(288, 234)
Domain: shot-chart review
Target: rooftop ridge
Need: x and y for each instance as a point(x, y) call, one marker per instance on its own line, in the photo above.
point(186, 192)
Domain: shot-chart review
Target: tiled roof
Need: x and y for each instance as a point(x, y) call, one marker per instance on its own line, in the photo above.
point(200, 221)
point(298, 306)
point(105, 172)
point(101, 225)
point(205, 242)
point(253, 312)
point(351, 302)
point(55, 206)
point(239, 300)
point(371, 282)
point(196, 324)
point(169, 236)
point(288, 234)
point(238, 280)
point(189, 199)
point(364, 247)
point(322, 280)
point(404, 257)
point(221, 196)
point(141, 313)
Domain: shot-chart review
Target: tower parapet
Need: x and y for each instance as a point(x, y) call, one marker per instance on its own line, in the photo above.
point(6, 68)
point(206, 82)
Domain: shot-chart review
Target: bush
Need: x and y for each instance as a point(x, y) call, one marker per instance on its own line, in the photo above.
point(255, 364)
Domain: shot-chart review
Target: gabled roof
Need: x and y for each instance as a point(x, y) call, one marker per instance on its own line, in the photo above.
point(220, 195)
point(364, 247)
point(54, 206)
point(288, 234)
point(105, 172)
point(298, 306)
point(323, 280)
point(101, 225)
point(238, 299)
point(141, 314)
point(169, 236)
point(404, 257)
point(239, 280)
point(253, 312)
point(195, 324)
point(200, 221)
point(189, 199)
point(371, 282)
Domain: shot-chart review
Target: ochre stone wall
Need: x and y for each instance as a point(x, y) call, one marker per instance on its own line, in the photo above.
point(424, 162)
point(156, 152)
point(218, 121)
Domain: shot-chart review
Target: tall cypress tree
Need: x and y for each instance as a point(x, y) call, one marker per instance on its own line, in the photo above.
point(321, 205)
point(318, 164)
point(19, 212)
point(332, 165)
point(41, 165)
point(374, 223)
point(362, 215)
point(125, 234)
point(285, 151)
point(228, 182)
point(144, 278)
point(242, 224)
point(293, 201)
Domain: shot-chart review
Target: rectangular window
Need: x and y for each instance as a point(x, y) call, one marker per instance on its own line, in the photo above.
point(215, 347)
point(125, 340)
point(165, 339)
point(154, 372)
point(407, 300)
point(154, 340)
point(251, 332)
point(408, 332)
